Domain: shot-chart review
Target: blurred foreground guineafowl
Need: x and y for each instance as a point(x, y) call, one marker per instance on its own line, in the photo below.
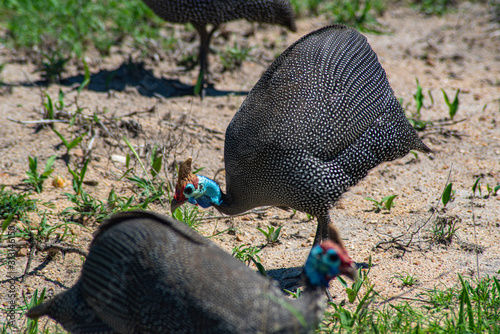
point(317, 121)
point(201, 13)
point(147, 273)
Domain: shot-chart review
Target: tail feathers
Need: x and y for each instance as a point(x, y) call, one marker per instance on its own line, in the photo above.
point(420, 146)
point(72, 312)
point(39, 311)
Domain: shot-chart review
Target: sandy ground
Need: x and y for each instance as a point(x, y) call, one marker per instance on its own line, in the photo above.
point(460, 50)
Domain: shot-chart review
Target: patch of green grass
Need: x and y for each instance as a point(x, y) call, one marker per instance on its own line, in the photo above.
point(89, 206)
point(385, 203)
point(78, 177)
point(156, 162)
point(247, 255)
point(452, 106)
point(32, 325)
point(44, 230)
point(433, 7)
point(477, 187)
point(444, 229)
point(2, 66)
point(303, 7)
point(356, 13)
point(492, 191)
point(53, 65)
point(36, 180)
point(472, 306)
point(448, 194)
point(233, 56)
point(419, 100)
point(295, 294)
point(148, 190)
point(406, 280)
point(415, 117)
point(272, 234)
point(190, 215)
point(52, 110)
point(85, 205)
point(14, 205)
point(188, 61)
point(70, 27)
point(27, 325)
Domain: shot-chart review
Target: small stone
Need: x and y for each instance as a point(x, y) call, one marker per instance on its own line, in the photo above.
point(22, 252)
point(59, 182)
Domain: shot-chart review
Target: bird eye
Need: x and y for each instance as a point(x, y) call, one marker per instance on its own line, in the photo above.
point(333, 257)
point(188, 190)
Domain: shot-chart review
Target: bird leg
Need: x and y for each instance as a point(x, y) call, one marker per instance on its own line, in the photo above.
point(328, 295)
point(205, 36)
point(326, 231)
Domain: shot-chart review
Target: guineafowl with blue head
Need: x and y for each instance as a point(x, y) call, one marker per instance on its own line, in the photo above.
point(147, 273)
point(321, 116)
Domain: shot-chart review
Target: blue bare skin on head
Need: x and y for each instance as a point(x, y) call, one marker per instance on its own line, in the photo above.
point(325, 262)
point(207, 193)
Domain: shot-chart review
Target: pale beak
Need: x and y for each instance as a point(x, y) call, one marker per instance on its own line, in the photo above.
point(174, 205)
point(350, 271)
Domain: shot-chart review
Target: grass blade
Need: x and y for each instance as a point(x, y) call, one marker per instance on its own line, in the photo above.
point(447, 194)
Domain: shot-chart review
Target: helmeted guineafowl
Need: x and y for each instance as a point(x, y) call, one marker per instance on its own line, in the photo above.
point(147, 273)
point(317, 121)
point(201, 13)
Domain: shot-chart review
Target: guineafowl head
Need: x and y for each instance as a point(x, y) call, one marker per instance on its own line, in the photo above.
point(326, 261)
point(196, 189)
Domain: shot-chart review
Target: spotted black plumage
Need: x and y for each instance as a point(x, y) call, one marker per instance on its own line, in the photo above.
point(201, 13)
point(147, 273)
point(317, 121)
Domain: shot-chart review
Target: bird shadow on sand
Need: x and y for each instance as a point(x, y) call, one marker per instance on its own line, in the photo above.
point(291, 278)
point(287, 278)
point(131, 74)
point(38, 272)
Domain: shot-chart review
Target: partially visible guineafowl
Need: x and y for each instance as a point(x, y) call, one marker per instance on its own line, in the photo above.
point(201, 13)
point(317, 121)
point(146, 273)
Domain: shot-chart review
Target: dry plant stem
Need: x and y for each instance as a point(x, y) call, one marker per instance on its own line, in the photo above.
point(398, 241)
point(400, 296)
point(448, 123)
point(33, 244)
point(134, 113)
point(259, 211)
point(475, 234)
point(193, 125)
point(65, 249)
point(40, 121)
point(442, 131)
point(205, 128)
point(47, 246)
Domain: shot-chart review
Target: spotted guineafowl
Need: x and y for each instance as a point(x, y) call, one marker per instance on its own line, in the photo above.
point(201, 13)
point(317, 121)
point(147, 273)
